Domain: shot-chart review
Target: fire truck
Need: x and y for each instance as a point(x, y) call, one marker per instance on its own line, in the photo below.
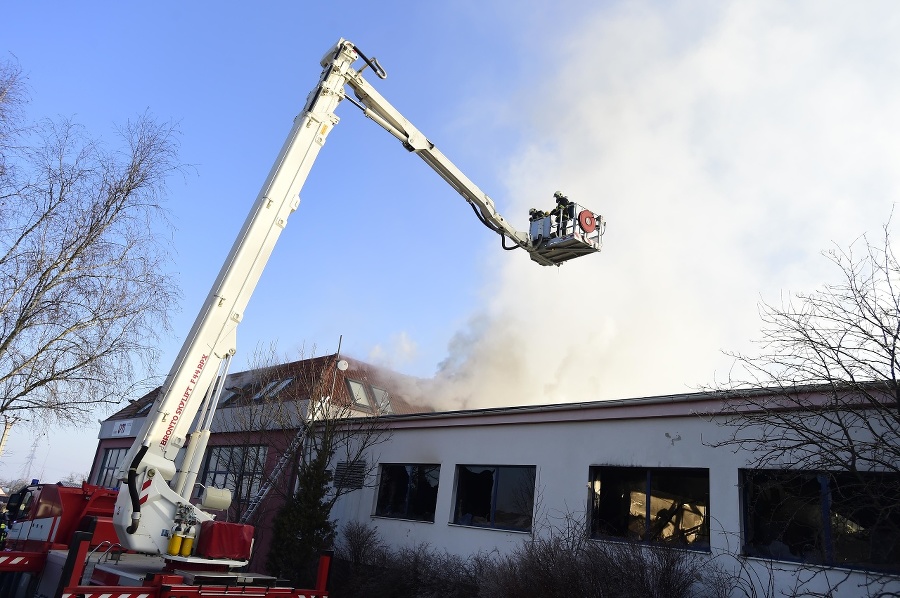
point(153, 538)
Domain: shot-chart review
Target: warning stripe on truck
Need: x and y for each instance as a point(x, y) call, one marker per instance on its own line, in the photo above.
point(21, 561)
point(146, 485)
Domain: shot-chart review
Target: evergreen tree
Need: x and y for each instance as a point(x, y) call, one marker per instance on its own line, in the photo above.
point(302, 528)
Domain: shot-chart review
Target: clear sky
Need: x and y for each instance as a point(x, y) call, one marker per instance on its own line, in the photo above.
point(726, 143)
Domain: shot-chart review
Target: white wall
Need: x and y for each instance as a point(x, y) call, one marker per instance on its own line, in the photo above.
point(563, 452)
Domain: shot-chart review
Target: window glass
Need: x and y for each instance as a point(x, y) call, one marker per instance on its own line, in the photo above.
point(358, 392)
point(237, 468)
point(112, 459)
point(679, 502)
point(495, 496)
point(272, 389)
point(408, 491)
point(619, 502)
point(848, 519)
point(381, 398)
point(514, 503)
point(656, 505)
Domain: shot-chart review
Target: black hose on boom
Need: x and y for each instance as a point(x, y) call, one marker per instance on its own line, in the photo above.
point(373, 63)
point(133, 491)
point(485, 222)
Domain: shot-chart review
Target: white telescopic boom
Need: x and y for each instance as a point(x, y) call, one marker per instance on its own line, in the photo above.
point(146, 504)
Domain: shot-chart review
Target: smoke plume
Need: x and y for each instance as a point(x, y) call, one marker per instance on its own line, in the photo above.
point(726, 145)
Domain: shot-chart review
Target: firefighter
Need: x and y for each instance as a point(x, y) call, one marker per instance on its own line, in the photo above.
point(564, 211)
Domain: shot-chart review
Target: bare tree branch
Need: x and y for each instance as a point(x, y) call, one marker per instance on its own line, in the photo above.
point(818, 408)
point(300, 412)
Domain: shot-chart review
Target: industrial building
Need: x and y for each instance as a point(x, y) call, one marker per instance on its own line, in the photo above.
point(651, 470)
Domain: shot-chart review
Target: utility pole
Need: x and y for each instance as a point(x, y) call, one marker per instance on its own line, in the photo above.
point(26, 469)
point(7, 425)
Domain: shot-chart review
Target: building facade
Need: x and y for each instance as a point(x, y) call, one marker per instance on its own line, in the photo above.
point(656, 471)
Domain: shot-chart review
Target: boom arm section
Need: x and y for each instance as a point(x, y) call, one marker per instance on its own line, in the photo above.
point(568, 232)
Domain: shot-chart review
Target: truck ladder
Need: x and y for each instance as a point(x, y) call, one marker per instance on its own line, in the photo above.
point(273, 479)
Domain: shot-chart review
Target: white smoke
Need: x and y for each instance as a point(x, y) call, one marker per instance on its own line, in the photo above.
point(398, 352)
point(727, 145)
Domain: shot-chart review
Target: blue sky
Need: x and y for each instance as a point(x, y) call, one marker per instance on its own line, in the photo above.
point(727, 144)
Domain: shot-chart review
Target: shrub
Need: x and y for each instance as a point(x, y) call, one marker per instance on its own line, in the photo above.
point(552, 567)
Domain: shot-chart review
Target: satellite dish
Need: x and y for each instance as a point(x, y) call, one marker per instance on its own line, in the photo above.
point(342, 365)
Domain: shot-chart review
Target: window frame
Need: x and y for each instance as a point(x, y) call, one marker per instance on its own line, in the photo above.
point(271, 389)
point(497, 479)
point(412, 494)
point(244, 483)
point(106, 470)
point(649, 529)
point(382, 399)
point(366, 402)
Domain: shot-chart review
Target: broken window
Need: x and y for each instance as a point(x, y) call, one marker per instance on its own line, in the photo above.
point(408, 491)
point(495, 496)
point(847, 519)
point(234, 395)
point(655, 505)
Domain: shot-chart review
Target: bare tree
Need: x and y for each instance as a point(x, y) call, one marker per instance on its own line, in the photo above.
point(284, 427)
point(83, 291)
point(259, 423)
point(339, 437)
point(818, 411)
point(13, 485)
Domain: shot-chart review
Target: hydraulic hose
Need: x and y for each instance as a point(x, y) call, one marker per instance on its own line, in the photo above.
point(485, 222)
point(133, 491)
point(373, 63)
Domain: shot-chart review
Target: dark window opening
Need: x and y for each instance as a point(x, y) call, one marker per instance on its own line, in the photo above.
point(408, 491)
point(495, 496)
point(847, 519)
point(659, 506)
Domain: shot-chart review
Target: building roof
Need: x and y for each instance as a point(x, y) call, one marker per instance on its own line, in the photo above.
point(363, 387)
point(866, 395)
